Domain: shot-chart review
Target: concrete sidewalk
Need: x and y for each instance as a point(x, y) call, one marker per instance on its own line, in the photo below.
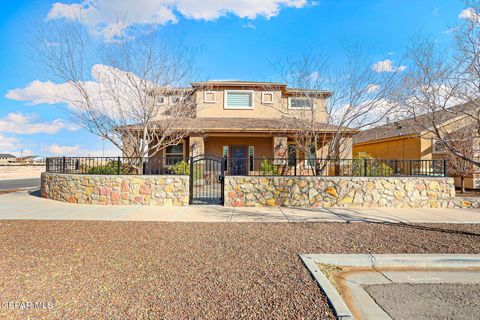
point(23, 205)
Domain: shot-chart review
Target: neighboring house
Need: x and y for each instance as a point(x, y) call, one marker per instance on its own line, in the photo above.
point(6, 158)
point(31, 160)
point(241, 120)
point(410, 139)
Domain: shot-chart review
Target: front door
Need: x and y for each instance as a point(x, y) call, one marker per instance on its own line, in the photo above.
point(238, 160)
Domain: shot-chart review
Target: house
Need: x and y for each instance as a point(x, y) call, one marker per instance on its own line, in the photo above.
point(245, 122)
point(31, 160)
point(412, 139)
point(6, 158)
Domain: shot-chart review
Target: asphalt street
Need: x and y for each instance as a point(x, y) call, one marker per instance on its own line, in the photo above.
point(12, 184)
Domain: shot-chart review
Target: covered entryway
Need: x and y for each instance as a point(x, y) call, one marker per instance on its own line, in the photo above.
point(206, 179)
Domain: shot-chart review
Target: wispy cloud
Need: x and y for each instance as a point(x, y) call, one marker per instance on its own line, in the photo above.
point(110, 18)
point(78, 150)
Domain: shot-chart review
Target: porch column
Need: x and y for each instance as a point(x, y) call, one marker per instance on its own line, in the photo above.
point(280, 147)
point(196, 146)
point(345, 150)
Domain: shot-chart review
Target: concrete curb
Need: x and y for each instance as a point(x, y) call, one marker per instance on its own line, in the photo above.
point(336, 302)
point(433, 261)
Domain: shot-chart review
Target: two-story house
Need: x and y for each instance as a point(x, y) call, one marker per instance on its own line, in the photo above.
point(245, 121)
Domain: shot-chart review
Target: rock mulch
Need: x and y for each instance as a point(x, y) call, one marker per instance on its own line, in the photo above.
point(142, 270)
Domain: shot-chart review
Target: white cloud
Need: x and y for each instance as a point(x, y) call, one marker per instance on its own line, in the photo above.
point(469, 14)
point(19, 123)
point(13, 146)
point(77, 150)
point(103, 17)
point(373, 88)
point(38, 92)
point(387, 66)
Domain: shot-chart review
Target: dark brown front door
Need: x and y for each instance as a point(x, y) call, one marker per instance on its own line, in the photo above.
point(238, 160)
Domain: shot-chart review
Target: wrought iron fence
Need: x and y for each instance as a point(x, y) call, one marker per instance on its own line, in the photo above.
point(178, 165)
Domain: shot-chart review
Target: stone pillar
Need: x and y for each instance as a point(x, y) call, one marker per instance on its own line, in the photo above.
point(196, 146)
point(345, 150)
point(280, 147)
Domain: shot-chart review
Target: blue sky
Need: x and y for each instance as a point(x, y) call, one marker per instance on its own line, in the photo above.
point(231, 41)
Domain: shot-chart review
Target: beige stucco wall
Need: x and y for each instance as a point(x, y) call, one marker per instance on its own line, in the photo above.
point(405, 148)
point(260, 110)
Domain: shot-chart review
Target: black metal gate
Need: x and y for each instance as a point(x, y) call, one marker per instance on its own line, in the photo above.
point(206, 179)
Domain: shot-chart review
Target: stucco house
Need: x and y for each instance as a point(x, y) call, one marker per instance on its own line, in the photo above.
point(411, 139)
point(6, 158)
point(245, 121)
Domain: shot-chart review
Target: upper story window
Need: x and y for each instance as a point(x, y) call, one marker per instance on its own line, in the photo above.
point(161, 100)
point(300, 103)
point(438, 147)
point(267, 97)
point(238, 99)
point(209, 97)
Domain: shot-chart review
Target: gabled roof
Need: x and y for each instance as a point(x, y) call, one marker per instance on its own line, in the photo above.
point(410, 126)
point(6, 155)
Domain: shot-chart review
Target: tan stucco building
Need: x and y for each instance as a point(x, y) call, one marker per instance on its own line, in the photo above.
point(6, 158)
point(252, 120)
point(410, 139)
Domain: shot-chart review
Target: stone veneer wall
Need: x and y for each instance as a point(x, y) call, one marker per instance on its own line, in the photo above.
point(111, 189)
point(418, 192)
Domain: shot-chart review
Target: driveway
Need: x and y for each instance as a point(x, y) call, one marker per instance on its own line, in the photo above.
point(27, 205)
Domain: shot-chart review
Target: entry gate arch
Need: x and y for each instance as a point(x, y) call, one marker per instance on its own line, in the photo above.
point(207, 173)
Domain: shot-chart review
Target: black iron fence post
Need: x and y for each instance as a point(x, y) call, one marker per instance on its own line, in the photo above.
point(118, 165)
point(64, 169)
point(444, 167)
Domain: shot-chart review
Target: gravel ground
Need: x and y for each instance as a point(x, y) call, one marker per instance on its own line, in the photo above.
point(428, 301)
point(142, 270)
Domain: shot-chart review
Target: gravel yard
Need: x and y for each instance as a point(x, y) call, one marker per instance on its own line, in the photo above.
point(143, 270)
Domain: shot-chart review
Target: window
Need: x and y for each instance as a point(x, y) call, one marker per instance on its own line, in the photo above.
point(161, 100)
point(209, 97)
point(292, 155)
point(174, 154)
point(310, 158)
point(251, 156)
point(174, 99)
point(238, 99)
point(438, 146)
point(267, 97)
point(225, 157)
point(301, 103)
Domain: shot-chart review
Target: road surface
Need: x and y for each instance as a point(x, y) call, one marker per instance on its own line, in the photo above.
point(19, 183)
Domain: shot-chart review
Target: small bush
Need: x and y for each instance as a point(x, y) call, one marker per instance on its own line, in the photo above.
point(375, 167)
point(181, 168)
point(110, 168)
point(267, 168)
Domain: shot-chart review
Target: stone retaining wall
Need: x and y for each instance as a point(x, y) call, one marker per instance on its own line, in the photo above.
point(348, 192)
point(121, 190)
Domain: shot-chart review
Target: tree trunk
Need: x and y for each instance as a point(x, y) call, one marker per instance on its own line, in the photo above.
point(462, 184)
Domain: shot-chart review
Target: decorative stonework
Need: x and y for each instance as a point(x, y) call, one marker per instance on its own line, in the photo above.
point(348, 192)
point(116, 190)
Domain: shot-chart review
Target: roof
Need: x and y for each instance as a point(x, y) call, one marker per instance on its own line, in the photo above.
point(235, 83)
point(241, 84)
point(407, 127)
point(6, 155)
point(246, 125)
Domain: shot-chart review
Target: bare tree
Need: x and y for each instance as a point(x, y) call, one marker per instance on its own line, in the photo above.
point(134, 95)
point(462, 141)
point(358, 101)
point(441, 89)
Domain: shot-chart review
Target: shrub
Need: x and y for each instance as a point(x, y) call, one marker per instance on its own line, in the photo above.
point(375, 167)
point(267, 168)
point(111, 168)
point(181, 168)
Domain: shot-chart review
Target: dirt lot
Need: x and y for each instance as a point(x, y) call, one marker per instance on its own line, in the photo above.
point(20, 172)
point(115, 270)
point(468, 193)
